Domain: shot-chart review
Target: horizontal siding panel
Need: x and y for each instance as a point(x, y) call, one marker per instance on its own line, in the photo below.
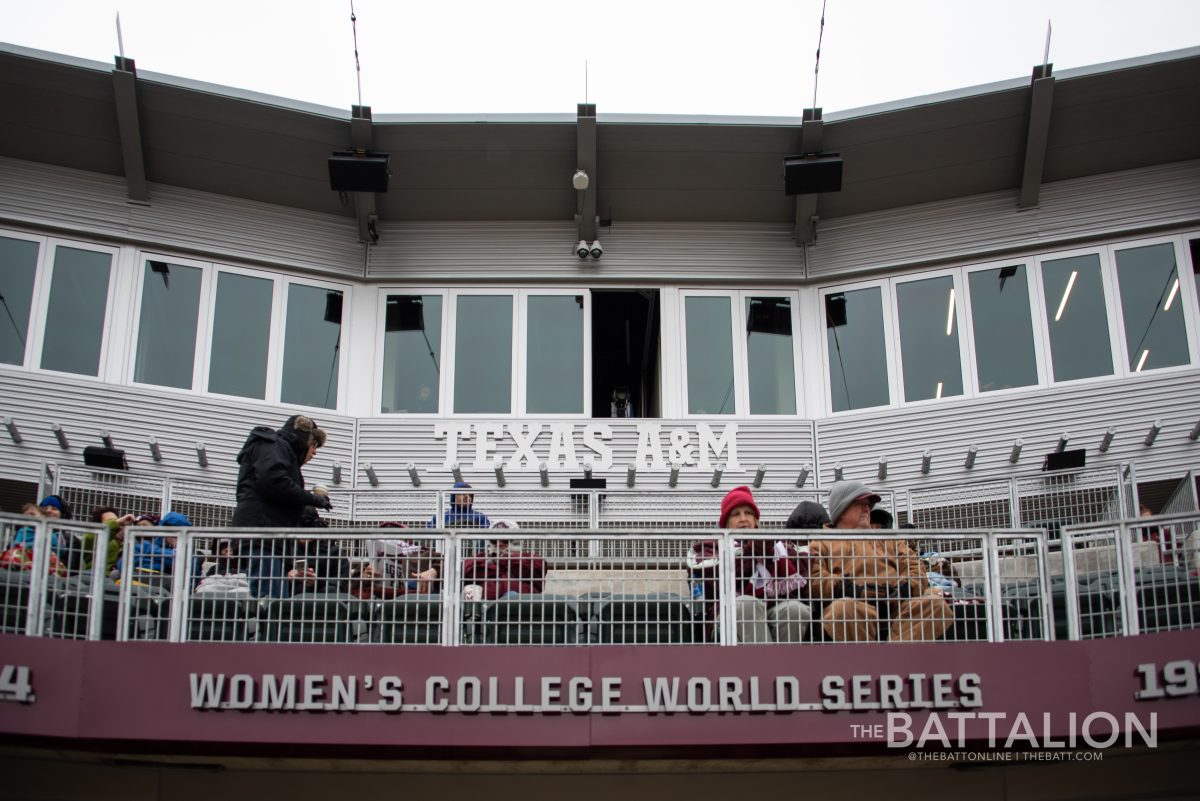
point(977, 227)
point(544, 251)
point(1038, 418)
point(132, 416)
point(222, 227)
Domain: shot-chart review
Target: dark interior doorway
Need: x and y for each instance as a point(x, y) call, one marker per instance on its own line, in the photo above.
point(625, 352)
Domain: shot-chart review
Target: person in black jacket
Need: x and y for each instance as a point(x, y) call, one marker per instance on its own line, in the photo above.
point(271, 494)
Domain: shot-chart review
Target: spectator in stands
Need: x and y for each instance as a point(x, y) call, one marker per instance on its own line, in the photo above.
point(154, 554)
point(55, 506)
point(769, 577)
point(808, 515)
point(881, 518)
point(316, 565)
point(271, 494)
point(461, 512)
point(868, 582)
point(400, 566)
point(503, 569)
point(115, 522)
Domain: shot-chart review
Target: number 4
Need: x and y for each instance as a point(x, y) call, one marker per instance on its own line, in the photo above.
point(15, 684)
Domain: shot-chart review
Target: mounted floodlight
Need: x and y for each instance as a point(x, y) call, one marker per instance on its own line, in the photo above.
point(972, 452)
point(456, 471)
point(926, 462)
point(812, 173)
point(837, 472)
point(1106, 443)
point(107, 439)
point(1194, 434)
point(336, 472)
point(544, 470)
point(201, 454)
point(587, 469)
point(718, 471)
point(412, 474)
point(582, 250)
point(1063, 439)
point(500, 480)
point(631, 475)
point(1015, 455)
point(580, 180)
point(802, 479)
point(369, 469)
point(674, 479)
point(881, 472)
point(61, 436)
point(1153, 433)
point(352, 171)
point(759, 475)
point(596, 250)
point(155, 451)
point(15, 433)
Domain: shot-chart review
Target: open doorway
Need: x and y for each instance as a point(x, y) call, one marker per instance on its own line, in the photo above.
point(625, 353)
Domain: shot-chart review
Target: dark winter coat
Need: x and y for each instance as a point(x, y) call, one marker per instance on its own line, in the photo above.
point(270, 488)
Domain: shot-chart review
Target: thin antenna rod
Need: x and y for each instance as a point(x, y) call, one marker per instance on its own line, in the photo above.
point(357, 66)
point(817, 66)
point(1046, 55)
point(585, 81)
point(120, 39)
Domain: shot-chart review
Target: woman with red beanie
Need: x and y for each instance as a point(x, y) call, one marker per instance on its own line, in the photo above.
point(769, 577)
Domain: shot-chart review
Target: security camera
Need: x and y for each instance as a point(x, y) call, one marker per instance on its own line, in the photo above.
point(596, 250)
point(579, 180)
point(373, 228)
point(581, 250)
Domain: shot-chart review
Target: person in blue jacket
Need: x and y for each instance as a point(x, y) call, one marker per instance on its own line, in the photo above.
point(461, 513)
point(154, 555)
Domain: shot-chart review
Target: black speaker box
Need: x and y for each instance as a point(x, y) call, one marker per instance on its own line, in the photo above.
point(1067, 460)
point(351, 172)
point(807, 175)
point(108, 458)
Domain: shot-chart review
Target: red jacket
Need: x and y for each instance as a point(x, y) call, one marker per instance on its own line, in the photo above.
point(504, 570)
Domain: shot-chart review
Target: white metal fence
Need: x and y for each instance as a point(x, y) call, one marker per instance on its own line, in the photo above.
point(1047, 500)
point(1132, 577)
point(565, 587)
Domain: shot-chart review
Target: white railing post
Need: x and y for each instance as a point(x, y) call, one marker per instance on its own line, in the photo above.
point(991, 563)
point(1071, 582)
point(1014, 504)
point(1047, 598)
point(180, 586)
point(35, 611)
point(1130, 625)
point(96, 605)
point(126, 592)
point(452, 606)
point(726, 589)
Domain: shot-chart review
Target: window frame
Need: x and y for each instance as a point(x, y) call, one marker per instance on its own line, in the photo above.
point(1190, 310)
point(279, 335)
point(960, 299)
point(444, 342)
point(40, 306)
point(1115, 329)
point(1039, 355)
point(273, 385)
point(890, 346)
point(521, 371)
point(203, 321)
point(33, 333)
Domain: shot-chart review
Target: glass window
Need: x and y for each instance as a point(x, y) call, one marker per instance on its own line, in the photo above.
point(241, 336)
point(928, 313)
point(75, 316)
point(769, 358)
point(1003, 327)
point(18, 268)
point(311, 346)
point(554, 355)
point(1155, 335)
point(709, 355)
point(166, 347)
point(858, 368)
point(1077, 317)
point(412, 353)
point(483, 354)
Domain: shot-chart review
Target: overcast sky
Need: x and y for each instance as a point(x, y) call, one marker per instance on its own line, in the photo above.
point(747, 57)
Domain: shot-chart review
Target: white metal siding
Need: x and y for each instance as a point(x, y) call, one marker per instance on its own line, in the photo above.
point(545, 251)
point(91, 204)
point(1117, 204)
point(132, 415)
point(1038, 418)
